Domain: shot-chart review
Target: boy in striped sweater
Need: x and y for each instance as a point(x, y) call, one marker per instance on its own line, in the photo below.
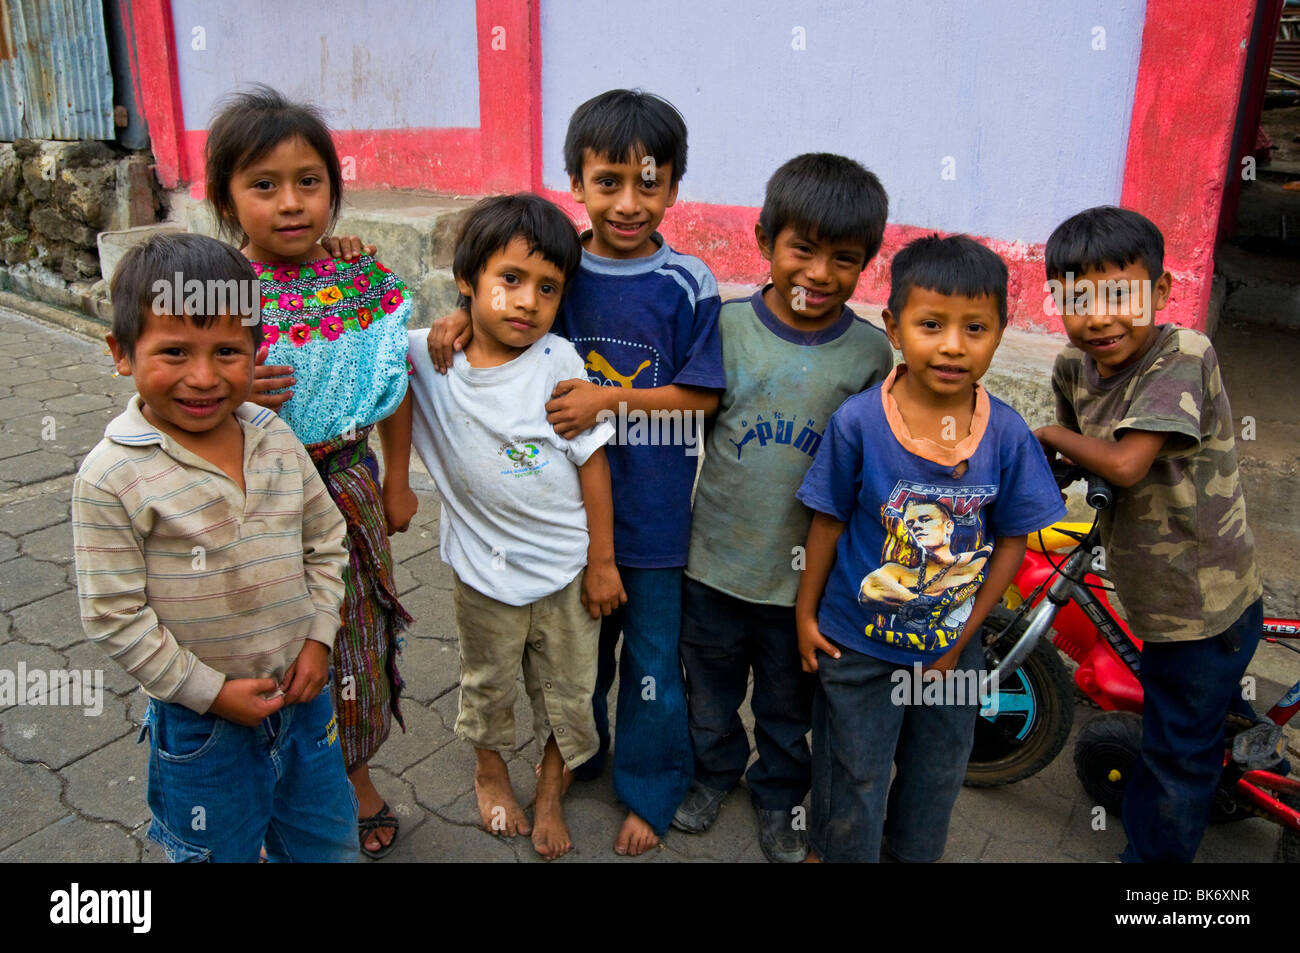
point(209, 566)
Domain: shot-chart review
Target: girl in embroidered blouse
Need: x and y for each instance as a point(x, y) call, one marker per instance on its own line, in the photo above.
point(335, 366)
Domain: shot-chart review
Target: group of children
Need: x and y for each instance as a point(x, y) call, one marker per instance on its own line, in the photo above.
point(850, 518)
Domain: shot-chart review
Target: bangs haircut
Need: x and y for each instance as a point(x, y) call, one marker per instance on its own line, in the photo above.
point(1102, 237)
point(251, 124)
point(621, 125)
point(956, 265)
point(149, 273)
point(491, 224)
point(829, 198)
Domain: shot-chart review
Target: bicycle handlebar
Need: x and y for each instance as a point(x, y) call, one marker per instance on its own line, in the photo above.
point(1098, 493)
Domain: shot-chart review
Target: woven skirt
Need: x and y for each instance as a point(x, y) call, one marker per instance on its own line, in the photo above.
point(366, 683)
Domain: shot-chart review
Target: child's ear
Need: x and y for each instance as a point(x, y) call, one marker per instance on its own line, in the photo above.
point(575, 189)
point(121, 363)
point(764, 243)
point(672, 195)
point(1161, 290)
point(465, 288)
point(891, 329)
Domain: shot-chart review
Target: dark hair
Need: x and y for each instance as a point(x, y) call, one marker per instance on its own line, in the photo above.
point(250, 125)
point(491, 224)
point(956, 265)
point(830, 197)
point(617, 123)
point(1105, 236)
point(156, 273)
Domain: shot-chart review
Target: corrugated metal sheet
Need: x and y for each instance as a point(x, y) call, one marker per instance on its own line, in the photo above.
point(56, 81)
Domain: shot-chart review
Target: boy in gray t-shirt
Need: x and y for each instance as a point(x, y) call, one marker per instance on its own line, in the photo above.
point(792, 353)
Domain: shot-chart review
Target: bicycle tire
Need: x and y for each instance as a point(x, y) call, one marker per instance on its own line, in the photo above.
point(1036, 711)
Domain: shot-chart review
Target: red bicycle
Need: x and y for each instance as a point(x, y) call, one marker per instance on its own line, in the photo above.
point(1059, 598)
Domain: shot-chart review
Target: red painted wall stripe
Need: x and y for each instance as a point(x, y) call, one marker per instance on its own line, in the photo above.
point(1180, 137)
point(158, 79)
point(510, 94)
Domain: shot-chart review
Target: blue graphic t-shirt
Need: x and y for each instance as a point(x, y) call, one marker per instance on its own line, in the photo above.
point(920, 532)
point(647, 322)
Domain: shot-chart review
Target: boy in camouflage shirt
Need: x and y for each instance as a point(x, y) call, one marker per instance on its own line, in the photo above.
point(1143, 406)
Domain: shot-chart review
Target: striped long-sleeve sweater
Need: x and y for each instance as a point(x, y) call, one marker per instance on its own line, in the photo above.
point(185, 580)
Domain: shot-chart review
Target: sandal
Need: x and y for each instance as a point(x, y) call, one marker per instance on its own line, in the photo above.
point(383, 818)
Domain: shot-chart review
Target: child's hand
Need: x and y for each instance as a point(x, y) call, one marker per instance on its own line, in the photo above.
point(602, 589)
point(946, 661)
point(449, 334)
point(240, 700)
point(347, 247)
point(811, 641)
point(573, 406)
point(268, 378)
point(400, 504)
point(306, 676)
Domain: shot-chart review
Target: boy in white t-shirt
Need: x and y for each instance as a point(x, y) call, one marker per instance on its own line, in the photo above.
point(517, 503)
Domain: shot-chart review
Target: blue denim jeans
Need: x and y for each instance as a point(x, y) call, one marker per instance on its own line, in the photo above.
point(218, 791)
point(652, 760)
point(1188, 688)
point(859, 731)
point(722, 639)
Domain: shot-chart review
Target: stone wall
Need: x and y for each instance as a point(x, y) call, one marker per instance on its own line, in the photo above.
point(55, 199)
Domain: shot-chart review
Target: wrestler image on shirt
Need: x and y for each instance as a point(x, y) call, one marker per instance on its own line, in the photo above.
point(922, 584)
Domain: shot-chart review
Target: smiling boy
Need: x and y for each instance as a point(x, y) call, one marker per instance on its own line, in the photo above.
point(209, 566)
point(1143, 406)
point(929, 478)
point(792, 353)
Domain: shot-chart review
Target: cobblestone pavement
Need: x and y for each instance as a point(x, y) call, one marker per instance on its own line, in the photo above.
point(72, 786)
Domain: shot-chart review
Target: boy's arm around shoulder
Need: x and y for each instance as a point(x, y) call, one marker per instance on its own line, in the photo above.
point(602, 587)
point(111, 588)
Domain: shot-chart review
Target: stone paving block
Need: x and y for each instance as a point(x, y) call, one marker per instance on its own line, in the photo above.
point(22, 374)
point(442, 777)
point(45, 389)
point(6, 628)
point(48, 359)
point(78, 403)
point(43, 464)
point(110, 784)
point(30, 794)
point(58, 735)
point(735, 830)
point(1252, 840)
point(90, 370)
point(432, 572)
point(430, 669)
point(26, 516)
point(424, 735)
point(593, 825)
point(13, 408)
point(1081, 841)
point(13, 444)
point(24, 580)
point(8, 548)
point(71, 837)
point(434, 613)
point(54, 621)
point(438, 841)
point(414, 542)
point(1021, 813)
point(1000, 850)
point(403, 580)
point(14, 653)
point(52, 544)
point(84, 655)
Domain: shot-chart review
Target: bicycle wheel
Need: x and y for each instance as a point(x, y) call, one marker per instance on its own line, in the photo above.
point(1035, 710)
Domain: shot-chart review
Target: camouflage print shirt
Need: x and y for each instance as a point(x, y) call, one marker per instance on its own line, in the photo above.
point(1177, 545)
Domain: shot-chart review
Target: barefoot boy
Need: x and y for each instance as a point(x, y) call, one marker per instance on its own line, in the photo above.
point(524, 510)
point(915, 479)
point(209, 565)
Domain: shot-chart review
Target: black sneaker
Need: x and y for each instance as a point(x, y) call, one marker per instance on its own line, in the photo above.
point(781, 843)
point(699, 809)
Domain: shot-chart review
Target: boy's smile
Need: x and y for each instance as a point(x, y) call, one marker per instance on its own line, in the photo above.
point(948, 341)
point(513, 303)
point(625, 201)
point(282, 202)
point(811, 278)
point(191, 378)
point(1111, 314)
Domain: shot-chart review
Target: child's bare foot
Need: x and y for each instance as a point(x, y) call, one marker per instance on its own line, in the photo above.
point(550, 832)
point(635, 837)
point(497, 807)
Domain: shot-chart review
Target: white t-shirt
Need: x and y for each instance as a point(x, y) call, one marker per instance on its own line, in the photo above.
point(513, 523)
